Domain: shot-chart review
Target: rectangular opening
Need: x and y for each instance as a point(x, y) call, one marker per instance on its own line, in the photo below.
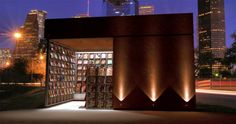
point(80, 69)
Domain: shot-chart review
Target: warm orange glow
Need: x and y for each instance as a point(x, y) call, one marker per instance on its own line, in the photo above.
point(153, 89)
point(186, 94)
point(186, 82)
point(154, 94)
point(41, 57)
point(17, 35)
point(122, 85)
point(121, 96)
point(187, 76)
point(7, 63)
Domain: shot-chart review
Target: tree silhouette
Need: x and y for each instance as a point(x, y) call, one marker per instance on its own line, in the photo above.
point(16, 73)
point(230, 55)
point(207, 60)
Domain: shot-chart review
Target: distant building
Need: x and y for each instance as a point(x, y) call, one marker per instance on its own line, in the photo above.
point(5, 57)
point(32, 31)
point(211, 32)
point(120, 7)
point(146, 10)
point(85, 14)
point(82, 16)
point(211, 21)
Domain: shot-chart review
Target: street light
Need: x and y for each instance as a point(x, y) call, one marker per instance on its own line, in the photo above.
point(41, 57)
point(17, 35)
point(7, 64)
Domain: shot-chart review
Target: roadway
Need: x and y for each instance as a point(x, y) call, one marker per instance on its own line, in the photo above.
point(223, 98)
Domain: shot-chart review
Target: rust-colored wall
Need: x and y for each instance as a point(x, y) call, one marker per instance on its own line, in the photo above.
point(119, 26)
point(147, 68)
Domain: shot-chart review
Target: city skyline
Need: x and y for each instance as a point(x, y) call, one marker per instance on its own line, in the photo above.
point(32, 31)
point(13, 13)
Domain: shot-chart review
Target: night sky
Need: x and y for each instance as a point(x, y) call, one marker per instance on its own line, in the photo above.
point(13, 13)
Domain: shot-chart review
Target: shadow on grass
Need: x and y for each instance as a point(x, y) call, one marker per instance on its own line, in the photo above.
point(215, 109)
point(21, 97)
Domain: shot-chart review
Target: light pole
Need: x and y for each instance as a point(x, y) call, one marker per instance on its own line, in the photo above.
point(17, 36)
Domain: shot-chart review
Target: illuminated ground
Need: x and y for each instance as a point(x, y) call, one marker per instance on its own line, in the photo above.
point(212, 108)
point(114, 117)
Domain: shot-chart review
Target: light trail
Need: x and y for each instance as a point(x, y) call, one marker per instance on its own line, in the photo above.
point(218, 92)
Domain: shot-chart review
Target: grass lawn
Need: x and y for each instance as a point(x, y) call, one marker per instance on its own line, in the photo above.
point(20, 97)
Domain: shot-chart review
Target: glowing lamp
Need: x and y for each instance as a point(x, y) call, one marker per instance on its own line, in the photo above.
point(7, 63)
point(41, 57)
point(17, 35)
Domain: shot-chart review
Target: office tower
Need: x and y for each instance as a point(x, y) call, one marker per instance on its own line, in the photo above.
point(5, 57)
point(84, 14)
point(32, 31)
point(121, 7)
point(211, 31)
point(146, 10)
point(211, 19)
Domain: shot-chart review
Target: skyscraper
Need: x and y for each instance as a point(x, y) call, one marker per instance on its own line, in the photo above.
point(211, 31)
point(120, 7)
point(211, 21)
point(32, 31)
point(146, 10)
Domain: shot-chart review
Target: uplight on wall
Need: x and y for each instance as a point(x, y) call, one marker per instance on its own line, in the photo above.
point(186, 94)
point(154, 94)
point(121, 96)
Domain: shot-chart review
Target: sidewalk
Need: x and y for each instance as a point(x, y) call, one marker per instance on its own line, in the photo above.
point(115, 117)
point(213, 107)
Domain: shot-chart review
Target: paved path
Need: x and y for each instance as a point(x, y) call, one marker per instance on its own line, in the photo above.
point(211, 109)
point(114, 117)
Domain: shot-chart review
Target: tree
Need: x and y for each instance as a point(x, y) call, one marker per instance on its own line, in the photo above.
point(205, 72)
point(16, 73)
point(207, 60)
point(42, 46)
point(230, 55)
point(37, 77)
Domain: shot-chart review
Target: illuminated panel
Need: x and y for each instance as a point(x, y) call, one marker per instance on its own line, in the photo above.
point(153, 66)
point(153, 86)
point(122, 86)
point(184, 55)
